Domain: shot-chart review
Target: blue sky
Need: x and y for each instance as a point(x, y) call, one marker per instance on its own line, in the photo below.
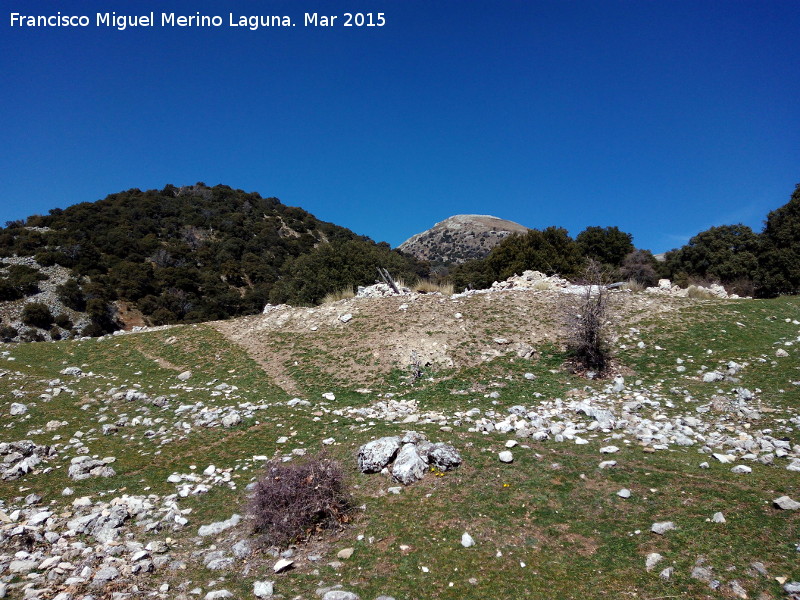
point(660, 117)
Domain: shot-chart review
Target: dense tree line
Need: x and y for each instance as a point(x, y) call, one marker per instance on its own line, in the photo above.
point(196, 253)
point(553, 252)
point(191, 254)
point(763, 264)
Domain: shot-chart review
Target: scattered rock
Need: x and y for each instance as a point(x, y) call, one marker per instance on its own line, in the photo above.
point(506, 456)
point(652, 560)
point(662, 527)
point(408, 466)
point(263, 589)
point(444, 456)
point(793, 587)
point(84, 467)
point(219, 527)
point(340, 595)
point(466, 540)
point(231, 419)
point(786, 503)
point(282, 565)
point(17, 409)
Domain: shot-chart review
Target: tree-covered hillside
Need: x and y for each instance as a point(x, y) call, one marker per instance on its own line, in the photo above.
point(184, 254)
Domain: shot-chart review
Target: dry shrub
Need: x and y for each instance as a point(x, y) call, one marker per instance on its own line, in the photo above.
point(542, 285)
point(633, 285)
point(426, 286)
point(587, 330)
point(293, 500)
point(742, 286)
point(342, 294)
point(699, 293)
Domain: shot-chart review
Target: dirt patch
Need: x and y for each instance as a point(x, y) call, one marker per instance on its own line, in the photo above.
point(382, 334)
point(130, 316)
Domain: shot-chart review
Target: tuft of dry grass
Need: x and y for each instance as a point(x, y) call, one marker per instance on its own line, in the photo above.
point(699, 293)
point(542, 285)
point(342, 294)
point(633, 286)
point(426, 286)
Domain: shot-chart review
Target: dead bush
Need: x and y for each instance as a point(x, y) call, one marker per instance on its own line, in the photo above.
point(294, 500)
point(587, 329)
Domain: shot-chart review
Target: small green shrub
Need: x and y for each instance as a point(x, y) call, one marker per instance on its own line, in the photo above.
point(25, 279)
point(31, 335)
point(37, 314)
point(63, 321)
point(292, 501)
point(8, 333)
point(71, 294)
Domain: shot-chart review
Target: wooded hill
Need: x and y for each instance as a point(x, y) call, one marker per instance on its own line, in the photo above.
point(196, 253)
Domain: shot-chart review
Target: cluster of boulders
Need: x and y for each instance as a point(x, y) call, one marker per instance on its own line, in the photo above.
point(665, 287)
point(381, 290)
point(531, 280)
point(535, 280)
point(716, 427)
point(43, 548)
point(21, 457)
point(410, 457)
point(392, 410)
point(84, 467)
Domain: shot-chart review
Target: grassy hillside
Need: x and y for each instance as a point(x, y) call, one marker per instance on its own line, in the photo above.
point(548, 525)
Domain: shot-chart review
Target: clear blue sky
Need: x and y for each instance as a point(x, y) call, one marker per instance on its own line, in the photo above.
point(661, 117)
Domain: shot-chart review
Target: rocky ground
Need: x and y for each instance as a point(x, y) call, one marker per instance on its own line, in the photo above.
point(126, 461)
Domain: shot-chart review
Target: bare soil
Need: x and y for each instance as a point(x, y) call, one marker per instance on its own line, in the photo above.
point(441, 331)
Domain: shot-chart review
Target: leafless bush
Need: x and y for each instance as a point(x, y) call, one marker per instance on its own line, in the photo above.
point(415, 367)
point(743, 286)
point(292, 501)
point(587, 330)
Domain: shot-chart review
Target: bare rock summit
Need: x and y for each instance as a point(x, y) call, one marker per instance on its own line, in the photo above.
point(460, 238)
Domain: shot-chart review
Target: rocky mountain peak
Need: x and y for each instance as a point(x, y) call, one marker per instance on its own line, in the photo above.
point(460, 238)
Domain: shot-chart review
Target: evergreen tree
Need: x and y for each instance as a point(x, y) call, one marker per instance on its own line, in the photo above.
point(607, 245)
point(779, 259)
point(727, 253)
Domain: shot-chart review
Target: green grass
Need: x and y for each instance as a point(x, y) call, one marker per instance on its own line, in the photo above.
point(553, 509)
